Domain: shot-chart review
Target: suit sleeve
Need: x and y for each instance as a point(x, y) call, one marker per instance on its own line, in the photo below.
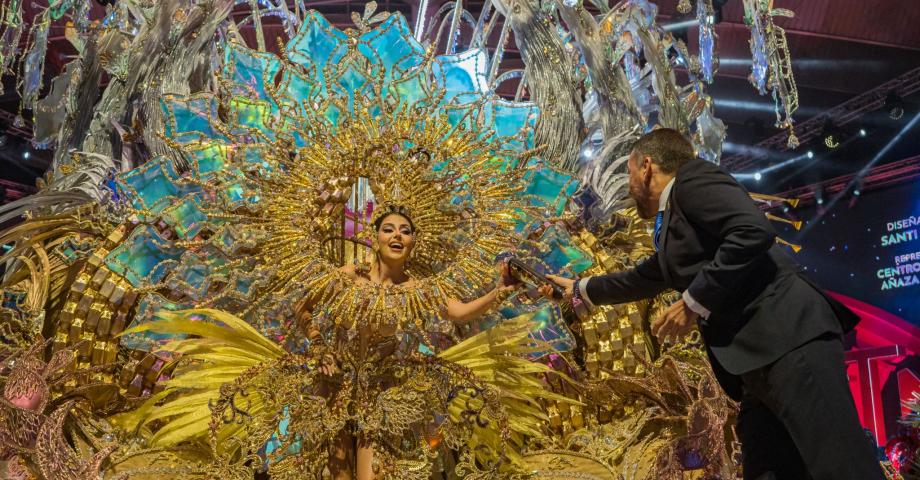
point(643, 281)
point(715, 203)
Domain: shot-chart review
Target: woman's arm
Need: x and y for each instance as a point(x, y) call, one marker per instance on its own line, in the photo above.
point(461, 313)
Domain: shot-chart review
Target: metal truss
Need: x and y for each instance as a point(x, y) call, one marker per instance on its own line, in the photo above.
point(880, 176)
point(842, 114)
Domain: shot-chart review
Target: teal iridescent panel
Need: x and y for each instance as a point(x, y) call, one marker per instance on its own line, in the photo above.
point(460, 115)
point(411, 89)
point(206, 159)
point(248, 114)
point(296, 88)
point(144, 258)
point(508, 119)
point(561, 254)
point(189, 119)
point(196, 272)
point(152, 186)
point(249, 70)
point(316, 44)
point(147, 309)
point(186, 217)
point(252, 157)
point(274, 442)
point(463, 76)
point(550, 188)
point(351, 79)
point(392, 44)
point(229, 239)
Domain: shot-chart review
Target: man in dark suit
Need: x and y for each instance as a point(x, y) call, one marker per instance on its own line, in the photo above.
point(773, 338)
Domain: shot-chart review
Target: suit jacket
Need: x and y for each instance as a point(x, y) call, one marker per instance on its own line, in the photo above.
point(717, 245)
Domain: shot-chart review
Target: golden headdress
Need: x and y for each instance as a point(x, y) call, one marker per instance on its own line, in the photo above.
point(407, 159)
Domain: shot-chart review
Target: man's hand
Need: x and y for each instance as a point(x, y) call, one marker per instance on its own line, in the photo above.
point(675, 322)
point(567, 284)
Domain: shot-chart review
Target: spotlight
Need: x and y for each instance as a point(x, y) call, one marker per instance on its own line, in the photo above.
point(818, 192)
point(895, 105)
point(862, 132)
point(831, 134)
point(810, 154)
point(26, 155)
point(758, 176)
point(856, 192)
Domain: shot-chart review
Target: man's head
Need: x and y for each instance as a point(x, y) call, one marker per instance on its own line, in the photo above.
point(653, 162)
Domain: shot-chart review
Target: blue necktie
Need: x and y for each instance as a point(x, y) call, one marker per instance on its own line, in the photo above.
point(656, 239)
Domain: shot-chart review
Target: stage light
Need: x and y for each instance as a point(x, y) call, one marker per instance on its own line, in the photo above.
point(856, 192)
point(831, 134)
point(820, 201)
point(895, 105)
point(26, 155)
point(680, 25)
point(862, 132)
point(858, 178)
point(758, 176)
point(810, 154)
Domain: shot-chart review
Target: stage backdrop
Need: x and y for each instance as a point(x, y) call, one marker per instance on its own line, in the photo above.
point(867, 253)
point(869, 250)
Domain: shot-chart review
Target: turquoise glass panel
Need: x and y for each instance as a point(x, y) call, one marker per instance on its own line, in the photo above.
point(255, 114)
point(186, 217)
point(147, 309)
point(195, 273)
point(317, 43)
point(350, 81)
point(144, 258)
point(207, 159)
point(296, 88)
point(152, 186)
point(393, 45)
point(411, 89)
point(551, 189)
point(189, 119)
point(561, 252)
point(508, 119)
point(249, 70)
point(463, 76)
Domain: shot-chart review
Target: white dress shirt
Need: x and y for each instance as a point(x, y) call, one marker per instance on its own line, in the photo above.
point(691, 303)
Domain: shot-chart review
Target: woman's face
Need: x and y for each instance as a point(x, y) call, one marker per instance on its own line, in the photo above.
point(395, 238)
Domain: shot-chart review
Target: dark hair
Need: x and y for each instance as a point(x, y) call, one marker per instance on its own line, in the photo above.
point(667, 148)
point(379, 222)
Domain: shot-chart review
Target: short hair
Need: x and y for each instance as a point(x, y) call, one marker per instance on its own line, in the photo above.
point(667, 148)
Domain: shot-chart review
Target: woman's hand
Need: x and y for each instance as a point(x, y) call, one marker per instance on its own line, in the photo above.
point(328, 365)
point(506, 281)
